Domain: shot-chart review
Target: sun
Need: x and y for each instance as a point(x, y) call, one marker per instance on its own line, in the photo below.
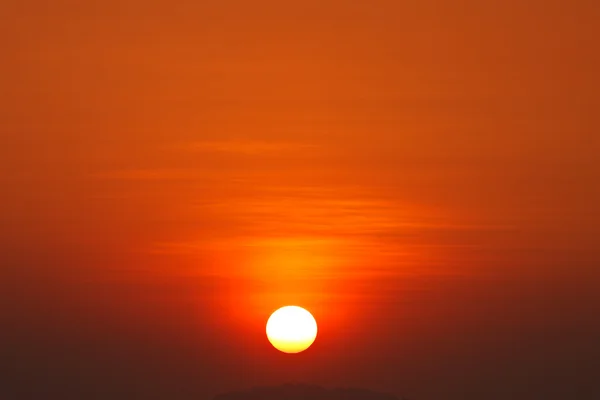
point(291, 329)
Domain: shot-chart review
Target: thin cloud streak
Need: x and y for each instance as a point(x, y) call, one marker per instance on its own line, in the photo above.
point(246, 147)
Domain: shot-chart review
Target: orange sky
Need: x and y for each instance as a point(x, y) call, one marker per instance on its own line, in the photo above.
point(423, 177)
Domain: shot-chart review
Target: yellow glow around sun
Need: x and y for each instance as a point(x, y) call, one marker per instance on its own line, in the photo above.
point(291, 329)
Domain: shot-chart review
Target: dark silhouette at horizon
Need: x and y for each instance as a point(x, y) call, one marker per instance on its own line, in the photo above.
point(301, 391)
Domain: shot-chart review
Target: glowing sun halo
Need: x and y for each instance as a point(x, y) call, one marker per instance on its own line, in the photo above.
point(291, 329)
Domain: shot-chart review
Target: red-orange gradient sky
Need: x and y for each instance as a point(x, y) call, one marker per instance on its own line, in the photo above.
point(422, 175)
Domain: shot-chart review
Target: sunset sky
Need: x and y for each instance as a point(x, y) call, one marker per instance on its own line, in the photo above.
point(423, 176)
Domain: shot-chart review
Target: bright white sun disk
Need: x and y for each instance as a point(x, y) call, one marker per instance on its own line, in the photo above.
point(291, 329)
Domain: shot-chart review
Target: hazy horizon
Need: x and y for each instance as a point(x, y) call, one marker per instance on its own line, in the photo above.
point(421, 176)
